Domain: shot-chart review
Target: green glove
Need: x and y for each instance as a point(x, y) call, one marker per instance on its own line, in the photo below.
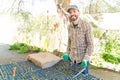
point(83, 63)
point(65, 57)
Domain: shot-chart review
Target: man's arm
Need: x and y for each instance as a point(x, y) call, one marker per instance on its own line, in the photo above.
point(89, 41)
point(69, 41)
point(68, 46)
point(63, 11)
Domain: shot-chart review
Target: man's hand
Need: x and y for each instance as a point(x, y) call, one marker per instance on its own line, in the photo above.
point(83, 63)
point(58, 6)
point(65, 57)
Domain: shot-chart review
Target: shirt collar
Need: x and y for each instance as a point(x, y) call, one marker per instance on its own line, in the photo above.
point(78, 25)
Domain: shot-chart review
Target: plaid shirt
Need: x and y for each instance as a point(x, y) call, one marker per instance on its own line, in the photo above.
point(80, 43)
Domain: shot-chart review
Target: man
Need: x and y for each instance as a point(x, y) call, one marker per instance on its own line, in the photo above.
point(80, 43)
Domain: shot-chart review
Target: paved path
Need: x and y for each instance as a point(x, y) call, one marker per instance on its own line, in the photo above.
point(7, 56)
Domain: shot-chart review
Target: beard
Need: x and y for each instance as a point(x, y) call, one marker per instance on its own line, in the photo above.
point(73, 18)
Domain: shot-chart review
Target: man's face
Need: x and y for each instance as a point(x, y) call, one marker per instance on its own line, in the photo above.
point(74, 14)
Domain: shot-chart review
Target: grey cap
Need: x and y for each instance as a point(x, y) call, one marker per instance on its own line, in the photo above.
point(72, 7)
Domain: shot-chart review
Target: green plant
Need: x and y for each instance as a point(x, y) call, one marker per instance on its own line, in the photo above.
point(110, 48)
point(111, 58)
point(15, 46)
point(97, 32)
point(24, 48)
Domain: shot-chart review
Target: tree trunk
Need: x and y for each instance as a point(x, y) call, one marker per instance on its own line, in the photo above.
point(64, 3)
point(63, 24)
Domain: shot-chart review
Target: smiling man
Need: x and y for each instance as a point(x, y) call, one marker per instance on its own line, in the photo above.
point(80, 41)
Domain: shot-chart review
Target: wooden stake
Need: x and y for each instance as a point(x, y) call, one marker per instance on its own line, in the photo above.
point(0, 74)
point(14, 71)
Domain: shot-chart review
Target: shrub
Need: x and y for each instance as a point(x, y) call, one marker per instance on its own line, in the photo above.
point(24, 48)
point(111, 58)
point(110, 48)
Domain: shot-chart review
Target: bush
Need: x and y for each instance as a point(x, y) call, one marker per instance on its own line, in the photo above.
point(15, 46)
point(110, 48)
point(111, 58)
point(24, 48)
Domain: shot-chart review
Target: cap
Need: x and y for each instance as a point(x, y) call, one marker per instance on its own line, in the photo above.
point(73, 7)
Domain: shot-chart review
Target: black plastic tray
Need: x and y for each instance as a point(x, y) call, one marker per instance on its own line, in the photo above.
point(26, 70)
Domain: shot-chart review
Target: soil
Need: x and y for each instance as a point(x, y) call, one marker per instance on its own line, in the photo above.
point(7, 56)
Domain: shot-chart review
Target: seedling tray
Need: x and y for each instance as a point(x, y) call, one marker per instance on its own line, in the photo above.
point(26, 70)
point(68, 68)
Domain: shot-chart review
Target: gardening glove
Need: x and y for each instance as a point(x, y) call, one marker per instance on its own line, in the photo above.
point(83, 63)
point(65, 57)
